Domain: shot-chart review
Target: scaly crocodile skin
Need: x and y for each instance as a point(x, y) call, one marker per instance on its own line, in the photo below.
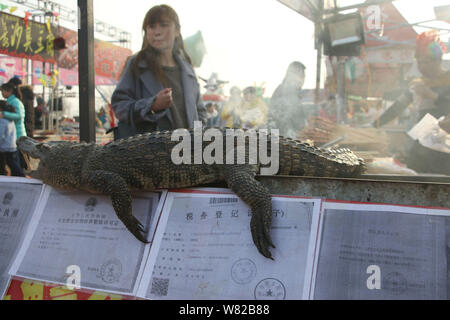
point(144, 162)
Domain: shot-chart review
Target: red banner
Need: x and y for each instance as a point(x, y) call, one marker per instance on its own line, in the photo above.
point(22, 289)
point(11, 67)
point(66, 77)
point(109, 59)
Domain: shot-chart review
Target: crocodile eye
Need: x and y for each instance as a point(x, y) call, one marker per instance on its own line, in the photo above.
point(43, 147)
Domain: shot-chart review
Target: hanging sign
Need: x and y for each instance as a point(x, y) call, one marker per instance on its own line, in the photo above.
point(32, 41)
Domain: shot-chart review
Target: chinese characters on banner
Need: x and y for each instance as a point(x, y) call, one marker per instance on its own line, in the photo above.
point(35, 40)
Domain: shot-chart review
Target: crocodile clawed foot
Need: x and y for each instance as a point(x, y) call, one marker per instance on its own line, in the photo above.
point(136, 228)
point(260, 228)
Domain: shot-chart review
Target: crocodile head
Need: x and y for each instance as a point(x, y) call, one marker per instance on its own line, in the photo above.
point(34, 149)
point(38, 150)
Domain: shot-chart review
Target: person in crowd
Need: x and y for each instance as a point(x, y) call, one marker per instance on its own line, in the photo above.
point(359, 114)
point(28, 102)
point(27, 98)
point(211, 112)
point(8, 149)
point(285, 107)
point(158, 89)
point(431, 92)
point(231, 109)
point(12, 95)
point(328, 109)
point(253, 110)
point(39, 112)
point(103, 118)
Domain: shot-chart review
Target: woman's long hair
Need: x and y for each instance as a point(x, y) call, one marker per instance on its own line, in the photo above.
point(148, 53)
point(16, 83)
point(27, 92)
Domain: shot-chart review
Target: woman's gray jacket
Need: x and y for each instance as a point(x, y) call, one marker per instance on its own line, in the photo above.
point(133, 97)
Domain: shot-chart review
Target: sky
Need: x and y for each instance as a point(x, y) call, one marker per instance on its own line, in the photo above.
point(248, 41)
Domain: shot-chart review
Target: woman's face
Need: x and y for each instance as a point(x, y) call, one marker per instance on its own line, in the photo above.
point(161, 35)
point(6, 94)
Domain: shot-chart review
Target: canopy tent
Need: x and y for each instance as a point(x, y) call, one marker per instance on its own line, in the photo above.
point(316, 10)
point(387, 57)
point(308, 8)
point(388, 53)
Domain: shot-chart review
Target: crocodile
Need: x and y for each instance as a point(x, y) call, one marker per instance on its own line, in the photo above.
point(143, 162)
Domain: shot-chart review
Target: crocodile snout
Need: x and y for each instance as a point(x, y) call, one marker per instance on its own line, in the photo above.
point(29, 146)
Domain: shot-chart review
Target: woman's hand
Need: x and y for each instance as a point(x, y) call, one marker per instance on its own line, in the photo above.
point(1, 114)
point(163, 100)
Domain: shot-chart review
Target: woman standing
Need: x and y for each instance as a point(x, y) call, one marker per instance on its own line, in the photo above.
point(15, 159)
point(12, 96)
point(27, 97)
point(158, 89)
point(8, 149)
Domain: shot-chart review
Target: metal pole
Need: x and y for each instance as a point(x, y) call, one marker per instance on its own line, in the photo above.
point(86, 74)
point(340, 96)
point(44, 116)
point(338, 92)
point(319, 45)
point(50, 110)
point(319, 63)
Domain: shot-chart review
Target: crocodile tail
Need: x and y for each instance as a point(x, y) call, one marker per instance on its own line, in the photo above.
point(301, 159)
point(348, 163)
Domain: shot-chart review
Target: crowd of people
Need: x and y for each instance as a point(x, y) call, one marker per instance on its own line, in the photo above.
point(158, 89)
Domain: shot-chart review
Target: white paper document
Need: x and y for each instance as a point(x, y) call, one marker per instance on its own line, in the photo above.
point(369, 251)
point(18, 200)
point(430, 135)
point(82, 230)
point(203, 249)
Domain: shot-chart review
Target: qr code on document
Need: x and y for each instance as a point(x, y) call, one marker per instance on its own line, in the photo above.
point(160, 287)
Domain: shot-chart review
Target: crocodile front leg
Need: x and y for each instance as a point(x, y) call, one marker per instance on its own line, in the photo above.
point(114, 185)
point(241, 179)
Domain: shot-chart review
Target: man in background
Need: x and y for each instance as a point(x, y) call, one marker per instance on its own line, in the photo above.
point(285, 109)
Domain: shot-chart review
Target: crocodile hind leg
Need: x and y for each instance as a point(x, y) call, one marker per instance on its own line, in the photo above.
point(114, 185)
point(241, 180)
